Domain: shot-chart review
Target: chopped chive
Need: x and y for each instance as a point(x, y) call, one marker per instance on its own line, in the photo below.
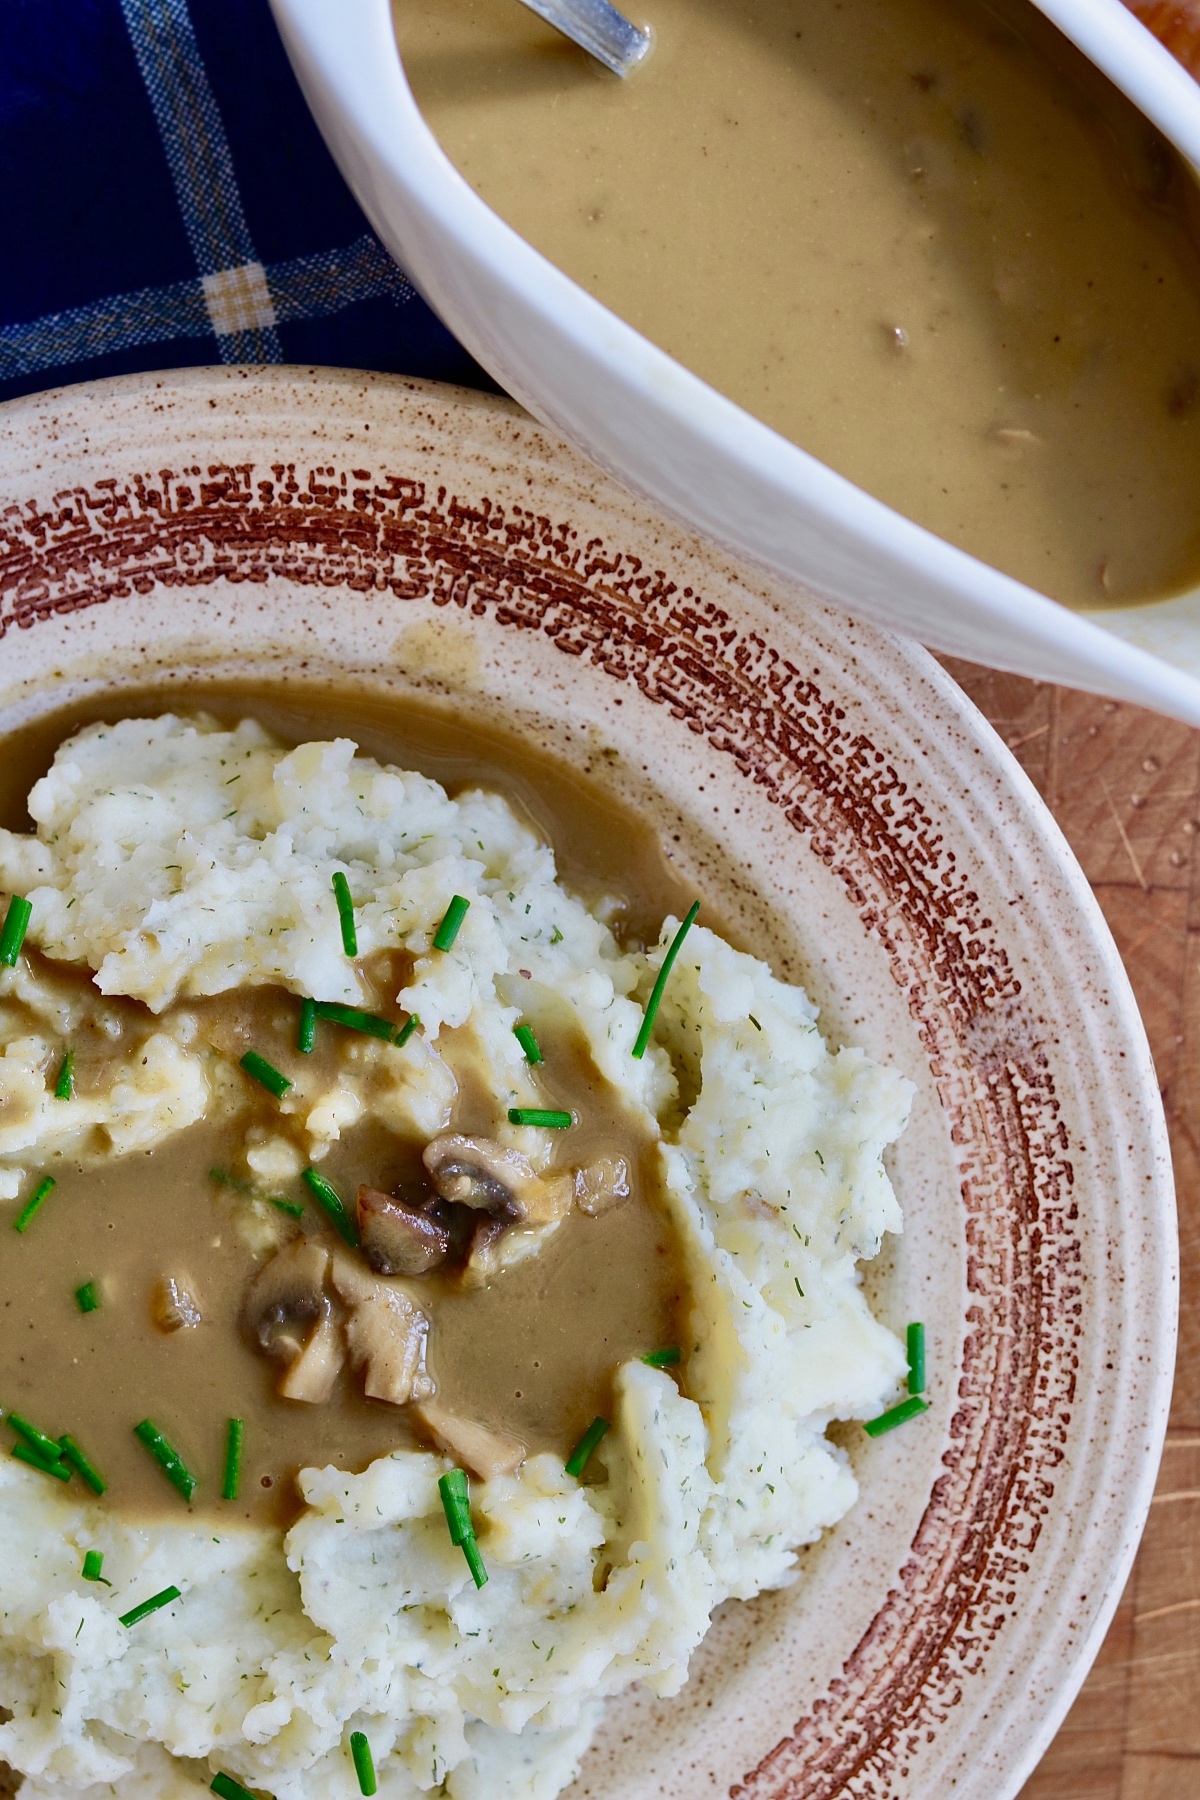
point(16, 924)
point(916, 1359)
point(27, 1454)
point(93, 1562)
point(345, 906)
point(228, 1789)
point(45, 1446)
point(896, 1415)
point(529, 1044)
point(538, 1115)
point(406, 1030)
point(668, 962)
point(64, 1085)
point(306, 1032)
point(224, 1179)
point(355, 1019)
point(33, 1205)
point(167, 1458)
point(578, 1459)
point(330, 1201)
point(163, 1598)
point(234, 1438)
point(449, 928)
point(471, 1551)
point(455, 1491)
point(86, 1470)
point(36, 1460)
point(86, 1297)
point(260, 1070)
point(293, 1208)
point(364, 1763)
point(663, 1359)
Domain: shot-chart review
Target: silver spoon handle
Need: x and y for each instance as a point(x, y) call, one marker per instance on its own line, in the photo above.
point(597, 27)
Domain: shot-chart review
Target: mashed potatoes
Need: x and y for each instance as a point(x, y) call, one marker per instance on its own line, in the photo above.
point(179, 860)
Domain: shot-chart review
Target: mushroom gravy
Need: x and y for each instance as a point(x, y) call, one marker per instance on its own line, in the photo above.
point(530, 1354)
point(924, 239)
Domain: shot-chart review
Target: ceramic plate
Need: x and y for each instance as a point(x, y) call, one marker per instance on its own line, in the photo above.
point(847, 813)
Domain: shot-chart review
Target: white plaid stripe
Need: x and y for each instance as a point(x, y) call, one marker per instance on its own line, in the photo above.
point(201, 166)
point(307, 287)
point(239, 300)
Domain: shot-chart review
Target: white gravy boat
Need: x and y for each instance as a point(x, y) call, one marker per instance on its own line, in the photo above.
point(675, 440)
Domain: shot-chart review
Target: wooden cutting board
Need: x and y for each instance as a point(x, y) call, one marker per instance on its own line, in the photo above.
point(1124, 786)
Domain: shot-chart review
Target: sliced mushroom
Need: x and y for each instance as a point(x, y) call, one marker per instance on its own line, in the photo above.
point(173, 1305)
point(484, 1452)
point(398, 1238)
point(386, 1332)
point(478, 1172)
point(312, 1375)
point(602, 1184)
point(498, 1244)
point(288, 1314)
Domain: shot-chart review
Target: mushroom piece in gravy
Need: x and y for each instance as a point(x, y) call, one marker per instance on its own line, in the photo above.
point(602, 1185)
point(173, 1304)
point(289, 1315)
point(483, 1451)
point(385, 1332)
point(477, 1172)
point(399, 1238)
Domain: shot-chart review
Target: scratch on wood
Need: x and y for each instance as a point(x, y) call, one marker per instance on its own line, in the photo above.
point(1119, 823)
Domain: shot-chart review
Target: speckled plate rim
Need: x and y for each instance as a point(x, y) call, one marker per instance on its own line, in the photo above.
point(441, 541)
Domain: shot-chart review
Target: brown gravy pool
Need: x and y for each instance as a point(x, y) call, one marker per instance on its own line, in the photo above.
point(924, 239)
point(533, 1354)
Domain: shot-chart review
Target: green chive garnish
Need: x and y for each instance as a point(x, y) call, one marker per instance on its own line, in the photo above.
point(538, 1115)
point(328, 1198)
point(663, 1359)
point(456, 1504)
point(668, 962)
point(259, 1069)
point(345, 906)
point(916, 1359)
point(474, 1556)
point(228, 1788)
point(355, 1019)
point(406, 1031)
point(529, 1044)
point(896, 1415)
point(64, 1086)
point(163, 1598)
point(578, 1460)
point(234, 1438)
point(306, 1034)
point(86, 1297)
point(45, 1446)
point(25, 1217)
point(455, 1491)
point(167, 1458)
point(87, 1471)
point(364, 1764)
point(448, 930)
point(16, 924)
point(293, 1208)
point(93, 1562)
point(27, 1454)
point(224, 1179)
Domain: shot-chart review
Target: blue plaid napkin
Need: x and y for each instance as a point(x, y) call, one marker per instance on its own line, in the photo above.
point(166, 199)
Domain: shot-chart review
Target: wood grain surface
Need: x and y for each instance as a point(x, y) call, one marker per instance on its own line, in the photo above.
point(1124, 786)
